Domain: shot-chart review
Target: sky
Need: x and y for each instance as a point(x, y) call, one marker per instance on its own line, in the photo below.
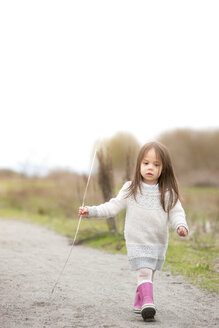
point(73, 72)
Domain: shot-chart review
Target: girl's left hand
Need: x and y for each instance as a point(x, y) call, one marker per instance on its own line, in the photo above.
point(182, 231)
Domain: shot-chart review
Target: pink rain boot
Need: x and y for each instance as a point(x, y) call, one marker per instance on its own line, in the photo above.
point(147, 302)
point(137, 304)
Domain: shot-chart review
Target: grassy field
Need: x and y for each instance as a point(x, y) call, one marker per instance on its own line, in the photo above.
point(54, 202)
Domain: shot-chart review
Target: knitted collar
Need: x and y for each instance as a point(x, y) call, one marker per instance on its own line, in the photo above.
point(149, 186)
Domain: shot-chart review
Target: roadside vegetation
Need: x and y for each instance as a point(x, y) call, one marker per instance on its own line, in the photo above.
point(53, 201)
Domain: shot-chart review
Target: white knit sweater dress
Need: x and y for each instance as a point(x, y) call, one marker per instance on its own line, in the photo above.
point(146, 224)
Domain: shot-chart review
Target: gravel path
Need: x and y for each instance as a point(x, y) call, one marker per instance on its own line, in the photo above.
point(96, 290)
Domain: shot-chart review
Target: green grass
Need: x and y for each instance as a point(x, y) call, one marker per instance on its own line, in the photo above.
point(194, 261)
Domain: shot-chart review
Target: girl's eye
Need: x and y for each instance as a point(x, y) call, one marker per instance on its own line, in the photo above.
point(145, 163)
point(157, 164)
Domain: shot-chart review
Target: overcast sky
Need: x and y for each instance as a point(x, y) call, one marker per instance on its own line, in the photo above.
point(72, 72)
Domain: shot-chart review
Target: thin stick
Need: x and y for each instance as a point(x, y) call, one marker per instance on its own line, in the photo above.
point(79, 221)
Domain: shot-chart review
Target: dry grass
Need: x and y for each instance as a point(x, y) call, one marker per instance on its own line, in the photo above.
point(61, 193)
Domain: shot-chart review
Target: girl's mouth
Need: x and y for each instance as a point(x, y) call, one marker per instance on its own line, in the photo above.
point(150, 174)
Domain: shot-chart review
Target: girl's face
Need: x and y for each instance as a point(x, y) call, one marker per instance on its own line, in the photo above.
point(151, 167)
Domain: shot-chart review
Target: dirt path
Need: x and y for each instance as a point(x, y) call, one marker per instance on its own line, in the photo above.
point(96, 290)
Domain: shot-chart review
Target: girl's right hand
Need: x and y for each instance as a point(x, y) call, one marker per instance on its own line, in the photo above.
point(83, 211)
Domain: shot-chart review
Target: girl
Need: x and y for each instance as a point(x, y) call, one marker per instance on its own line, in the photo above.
point(151, 199)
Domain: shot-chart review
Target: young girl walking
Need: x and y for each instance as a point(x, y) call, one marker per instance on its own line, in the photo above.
point(151, 201)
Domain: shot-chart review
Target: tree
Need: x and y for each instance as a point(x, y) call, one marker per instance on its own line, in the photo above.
point(105, 180)
point(116, 159)
point(123, 149)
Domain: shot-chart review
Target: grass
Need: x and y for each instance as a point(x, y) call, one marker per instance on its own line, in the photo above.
point(194, 261)
point(49, 203)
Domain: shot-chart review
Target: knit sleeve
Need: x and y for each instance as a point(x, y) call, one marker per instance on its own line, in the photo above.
point(112, 207)
point(177, 217)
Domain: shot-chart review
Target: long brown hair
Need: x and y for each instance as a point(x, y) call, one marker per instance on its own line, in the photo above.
point(167, 180)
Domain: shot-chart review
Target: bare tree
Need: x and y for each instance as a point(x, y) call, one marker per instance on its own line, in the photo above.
point(123, 148)
point(105, 180)
point(129, 164)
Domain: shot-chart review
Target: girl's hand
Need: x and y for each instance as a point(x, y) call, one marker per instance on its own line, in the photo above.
point(182, 231)
point(83, 211)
